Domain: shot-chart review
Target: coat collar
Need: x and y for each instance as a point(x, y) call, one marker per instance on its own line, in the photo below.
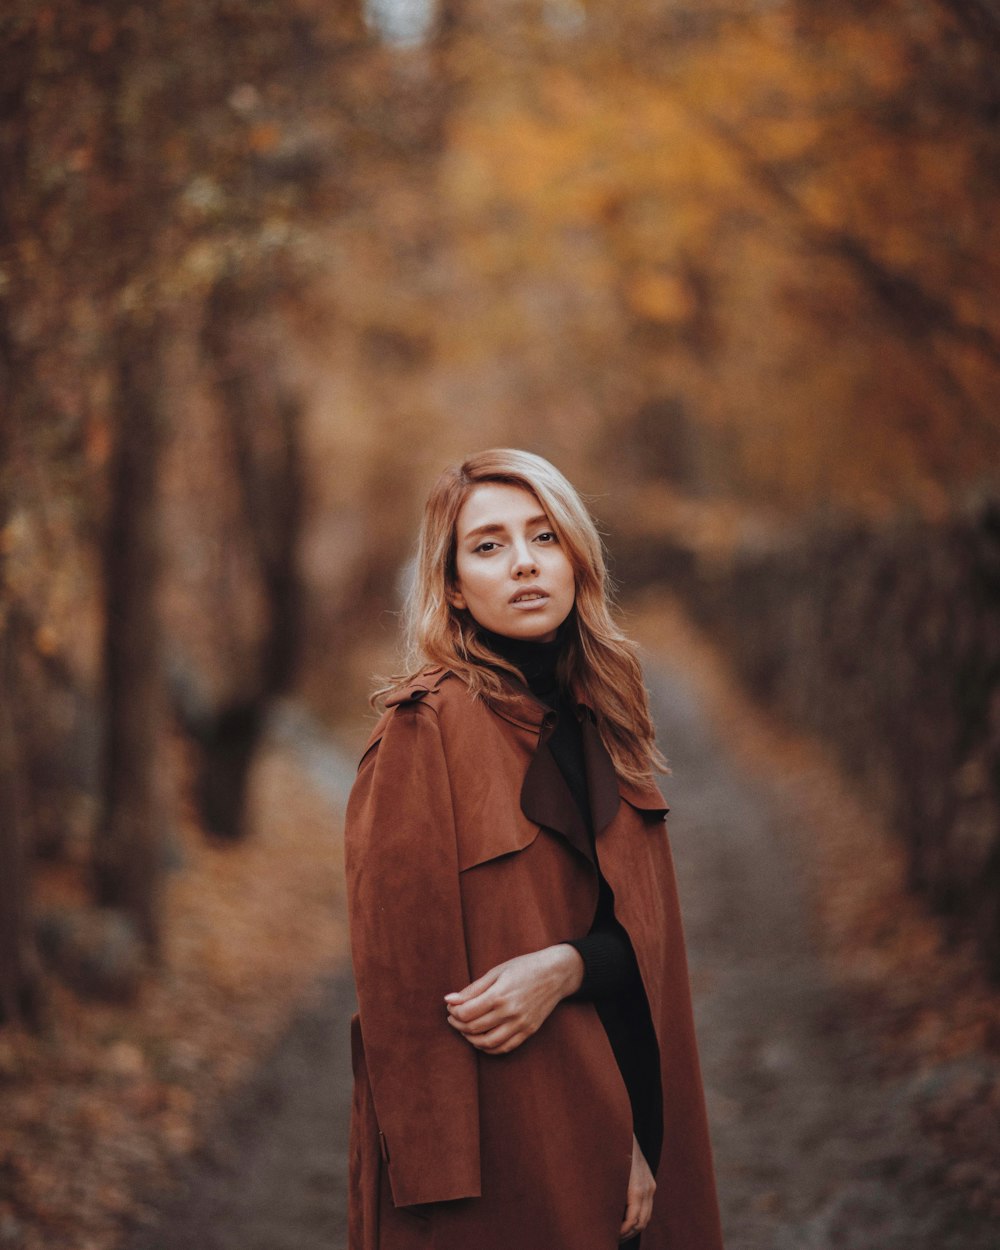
point(604, 786)
point(524, 710)
point(602, 780)
point(546, 798)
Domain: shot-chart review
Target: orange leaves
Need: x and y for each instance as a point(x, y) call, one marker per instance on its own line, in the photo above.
point(659, 296)
point(46, 640)
point(264, 137)
point(116, 1094)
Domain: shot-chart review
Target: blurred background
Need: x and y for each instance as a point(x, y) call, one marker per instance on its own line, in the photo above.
point(266, 266)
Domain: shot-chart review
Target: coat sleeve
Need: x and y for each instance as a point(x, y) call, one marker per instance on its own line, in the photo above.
point(408, 947)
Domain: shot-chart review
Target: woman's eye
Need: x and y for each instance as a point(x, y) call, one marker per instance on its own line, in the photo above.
point(487, 547)
point(546, 537)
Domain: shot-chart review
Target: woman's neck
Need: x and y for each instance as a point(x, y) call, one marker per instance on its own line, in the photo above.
point(537, 661)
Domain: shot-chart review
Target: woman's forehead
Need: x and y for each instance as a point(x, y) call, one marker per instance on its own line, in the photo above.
point(500, 505)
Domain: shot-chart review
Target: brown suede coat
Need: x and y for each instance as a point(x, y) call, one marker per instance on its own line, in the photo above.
point(464, 848)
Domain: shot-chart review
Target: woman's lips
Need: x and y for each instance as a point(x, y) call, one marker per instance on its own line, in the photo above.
point(529, 599)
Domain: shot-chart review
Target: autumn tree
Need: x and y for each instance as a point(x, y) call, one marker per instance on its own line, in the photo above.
point(260, 419)
point(145, 178)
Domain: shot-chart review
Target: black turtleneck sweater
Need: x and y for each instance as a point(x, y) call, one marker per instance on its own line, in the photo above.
point(611, 977)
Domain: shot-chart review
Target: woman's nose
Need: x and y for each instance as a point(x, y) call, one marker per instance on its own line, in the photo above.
point(524, 561)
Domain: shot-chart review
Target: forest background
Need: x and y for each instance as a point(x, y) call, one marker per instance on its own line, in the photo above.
point(266, 267)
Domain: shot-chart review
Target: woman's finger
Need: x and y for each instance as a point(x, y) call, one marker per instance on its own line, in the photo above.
point(473, 1008)
point(473, 988)
point(477, 1023)
point(491, 1040)
point(498, 1041)
point(630, 1224)
point(638, 1196)
point(633, 1221)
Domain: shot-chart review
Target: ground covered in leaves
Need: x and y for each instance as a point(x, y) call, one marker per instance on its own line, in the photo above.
point(102, 1108)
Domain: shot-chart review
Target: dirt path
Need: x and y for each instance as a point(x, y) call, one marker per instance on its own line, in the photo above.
point(275, 1176)
point(814, 1150)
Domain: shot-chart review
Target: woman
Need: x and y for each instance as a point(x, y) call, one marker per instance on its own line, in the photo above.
point(525, 1068)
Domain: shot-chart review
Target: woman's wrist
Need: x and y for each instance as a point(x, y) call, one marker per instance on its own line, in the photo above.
point(569, 963)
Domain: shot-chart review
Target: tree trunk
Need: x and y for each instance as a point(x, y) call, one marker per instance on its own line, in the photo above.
point(262, 419)
point(19, 974)
point(129, 846)
point(20, 983)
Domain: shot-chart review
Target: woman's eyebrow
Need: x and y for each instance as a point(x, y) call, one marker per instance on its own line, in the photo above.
point(496, 527)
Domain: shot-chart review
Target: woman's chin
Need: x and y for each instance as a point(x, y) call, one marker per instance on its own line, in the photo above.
point(528, 630)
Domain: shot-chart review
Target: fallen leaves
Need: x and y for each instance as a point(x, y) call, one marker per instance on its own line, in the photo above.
point(99, 1109)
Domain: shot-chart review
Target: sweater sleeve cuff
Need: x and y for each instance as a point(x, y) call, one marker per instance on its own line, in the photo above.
point(608, 963)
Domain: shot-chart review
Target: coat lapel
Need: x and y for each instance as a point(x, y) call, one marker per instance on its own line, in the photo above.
point(602, 780)
point(546, 798)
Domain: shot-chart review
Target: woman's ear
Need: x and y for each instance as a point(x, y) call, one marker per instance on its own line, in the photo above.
point(455, 599)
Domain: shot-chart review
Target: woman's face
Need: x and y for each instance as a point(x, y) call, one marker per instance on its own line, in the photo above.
point(512, 575)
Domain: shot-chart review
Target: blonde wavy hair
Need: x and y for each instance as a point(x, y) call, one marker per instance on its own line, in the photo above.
point(598, 663)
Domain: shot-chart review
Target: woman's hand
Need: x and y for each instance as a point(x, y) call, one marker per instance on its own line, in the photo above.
point(513, 1000)
point(639, 1197)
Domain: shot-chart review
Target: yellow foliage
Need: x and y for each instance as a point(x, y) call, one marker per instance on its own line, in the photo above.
point(659, 297)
